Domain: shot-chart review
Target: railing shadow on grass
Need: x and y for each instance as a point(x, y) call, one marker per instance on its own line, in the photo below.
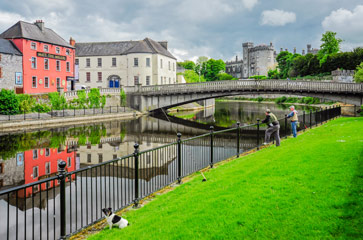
point(64, 204)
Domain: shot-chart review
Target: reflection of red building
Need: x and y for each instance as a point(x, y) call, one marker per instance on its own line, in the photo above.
point(42, 163)
point(47, 58)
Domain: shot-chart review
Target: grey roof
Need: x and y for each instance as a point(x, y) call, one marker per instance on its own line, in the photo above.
point(7, 47)
point(120, 48)
point(31, 31)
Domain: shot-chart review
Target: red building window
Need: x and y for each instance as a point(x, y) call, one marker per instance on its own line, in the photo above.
point(46, 85)
point(46, 64)
point(58, 82)
point(47, 168)
point(34, 82)
point(34, 62)
point(35, 172)
point(57, 50)
point(58, 65)
point(99, 76)
point(88, 76)
point(46, 48)
point(35, 154)
point(68, 68)
point(33, 46)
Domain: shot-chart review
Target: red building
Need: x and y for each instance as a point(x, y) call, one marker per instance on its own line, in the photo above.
point(43, 163)
point(47, 58)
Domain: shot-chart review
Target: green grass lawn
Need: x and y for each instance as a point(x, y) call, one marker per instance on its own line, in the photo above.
point(309, 188)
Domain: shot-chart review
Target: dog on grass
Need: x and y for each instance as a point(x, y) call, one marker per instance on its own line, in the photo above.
point(113, 219)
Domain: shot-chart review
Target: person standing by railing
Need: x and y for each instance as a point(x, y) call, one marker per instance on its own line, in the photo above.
point(294, 120)
point(273, 127)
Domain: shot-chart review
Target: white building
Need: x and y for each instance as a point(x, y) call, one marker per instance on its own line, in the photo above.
point(112, 64)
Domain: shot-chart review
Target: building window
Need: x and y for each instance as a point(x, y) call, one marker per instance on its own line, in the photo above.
point(47, 152)
point(114, 156)
point(161, 63)
point(35, 154)
point(35, 172)
point(46, 48)
point(169, 80)
point(68, 67)
point(136, 80)
point(89, 158)
point(99, 76)
point(34, 62)
point(57, 50)
point(68, 52)
point(161, 82)
point(100, 157)
point(147, 80)
point(58, 82)
point(89, 146)
point(69, 162)
point(46, 85)
point(100, 145)
point(58, 65)
point(88, 62)
point(2, 167)
point(46, 64)
point(147, 62)
point(33, 46)
point(173, 66)
point(169, 65)
point(34, 82)
point(47, 168)
point(113, 62)
point(88, 76)
point(77, 61)
point(136, 62)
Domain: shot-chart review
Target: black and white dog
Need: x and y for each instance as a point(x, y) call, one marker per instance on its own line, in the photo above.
point(113, 219)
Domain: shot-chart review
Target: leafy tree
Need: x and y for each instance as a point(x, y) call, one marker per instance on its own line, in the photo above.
point(225, 76)
point(191, 76)
point(94, 97)
point(57, 101)
point(9, 103)
point(358, 76)
point(187, 65)
point(122, 97)
point(26, 102)
point(329, 46)
point(273, 74)
point(213, 67)
point(201, 66)
point(258, 77)
point(82, 98)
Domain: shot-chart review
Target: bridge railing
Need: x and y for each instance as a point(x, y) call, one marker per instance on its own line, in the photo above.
point(68, 202)
point(251, 85)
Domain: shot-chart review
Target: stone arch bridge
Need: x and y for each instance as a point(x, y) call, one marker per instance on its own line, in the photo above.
point(154, 98)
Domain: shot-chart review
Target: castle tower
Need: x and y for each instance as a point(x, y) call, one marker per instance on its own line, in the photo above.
point(246, 59)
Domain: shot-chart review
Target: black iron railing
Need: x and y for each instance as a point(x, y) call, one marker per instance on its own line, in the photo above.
point(64, 204)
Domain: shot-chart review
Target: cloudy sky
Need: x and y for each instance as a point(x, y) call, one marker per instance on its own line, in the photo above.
point(213, 28)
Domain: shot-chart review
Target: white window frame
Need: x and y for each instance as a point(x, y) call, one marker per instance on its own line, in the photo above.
point(47, 150)
point(68, 66)
point(99, 62)
point(56, 80)
point(98, 77)
point(36, 82)
point(148, 62)
point(31, 62)
point(136, 62)
point(88, 62)
point(147, 81)
point(136, 80)
point(69, 162)
point(33, 45)
point(46, 48)
point(37, 172)
point(36, 153)
point(46, 59)
point(161, 63)
point(57, 49)
point(46, 85)
point(68, 52)
point(114, 65)
point(49, 165)
point(56, 65)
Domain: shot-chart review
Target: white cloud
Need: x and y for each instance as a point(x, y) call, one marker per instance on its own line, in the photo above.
point(277, 17)
point(249, 4)
point(8, 19)
point(347, 24)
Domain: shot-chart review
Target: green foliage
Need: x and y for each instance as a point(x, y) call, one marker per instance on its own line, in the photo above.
point(305, 100)
point(285, 62)
point(358, 76)
point(9, 103)
point(259, 99)
point(191, 76)
point(103, 101)
point(26, 102)
point(258, 77)
point(41, 107)
point(187, 65)
point(94, 97)
point(57, 101)
point(123, 97)
point(329, 46)
point(361, 111)
point(213, 67)
point(273, 74)
point(82, 99)
point(225, 76)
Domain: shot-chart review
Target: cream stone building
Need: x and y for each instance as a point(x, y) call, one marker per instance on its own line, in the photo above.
point(115, 64)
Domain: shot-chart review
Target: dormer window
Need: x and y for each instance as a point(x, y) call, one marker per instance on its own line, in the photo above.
point(67, 52)
point(46, 48)
point(33, 46)
point(57, 50)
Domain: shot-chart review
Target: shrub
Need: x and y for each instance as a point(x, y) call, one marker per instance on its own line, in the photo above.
point(57, 101)
point(281, 99)
point(82, 100)
point(273, 74)
point(94, 97)
point(191, 76)
point(358, 76)
point(9, 103)
point(258, 77)
point(122, 98)
point(103, 101)
point(225, 76)
point(41, 107)
point(259, 99)
point(26, 102)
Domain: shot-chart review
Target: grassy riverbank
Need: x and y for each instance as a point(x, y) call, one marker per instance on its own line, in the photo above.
point(309, 188)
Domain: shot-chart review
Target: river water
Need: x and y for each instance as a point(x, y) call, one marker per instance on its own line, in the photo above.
point(26, 157)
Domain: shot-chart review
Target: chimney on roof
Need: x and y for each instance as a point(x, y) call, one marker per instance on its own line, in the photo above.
point(236, 58)
point(164, 44)
point(72, 42)
point(303, 52)
point(271, 44)
point(40, 24)
point(294, 50)
point(281, 50)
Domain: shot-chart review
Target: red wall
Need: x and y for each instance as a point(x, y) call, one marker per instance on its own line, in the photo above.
point(54, 156)
point(24, 46)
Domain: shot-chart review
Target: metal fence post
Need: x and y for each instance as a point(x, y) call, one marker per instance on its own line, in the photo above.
point(102, 110)
point(93, 110)
point(304, 121)
point(63, 111)
point(211, 145)
point(285, 125)
point(258, 133)
point(179, 158)
point(38, 114)
point(310, 118)
point(24, 115)
point(238, 124)
point(51, 112)
point(74, 112)
point(62, 179)
point(136, 157)
point(321, 116)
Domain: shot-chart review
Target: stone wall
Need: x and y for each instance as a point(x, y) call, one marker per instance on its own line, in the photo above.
point(10, 64)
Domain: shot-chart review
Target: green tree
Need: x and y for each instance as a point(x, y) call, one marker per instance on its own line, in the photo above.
point(191, 76)
point(358, 76)
point(187, 64)
point(123, 98)
point(94, 97)
point(225, 76)
point(284, 60)
point(57, 101)
point(273, 74)
point(329, 46)
point(9, 103)
point(213, 67)
point(26, 102)
point(201, 66)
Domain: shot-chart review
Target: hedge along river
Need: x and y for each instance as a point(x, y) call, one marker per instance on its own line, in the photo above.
point(26, 157)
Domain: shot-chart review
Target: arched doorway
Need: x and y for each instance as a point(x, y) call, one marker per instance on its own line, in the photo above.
point(114, 81)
